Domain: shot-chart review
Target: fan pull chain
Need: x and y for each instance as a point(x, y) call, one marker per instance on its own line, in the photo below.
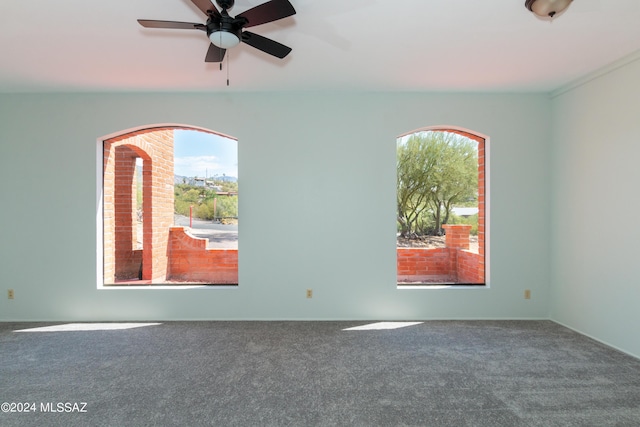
point(228, 62)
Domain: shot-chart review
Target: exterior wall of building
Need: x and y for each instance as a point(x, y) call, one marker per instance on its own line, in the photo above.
point(191, 261)
point(122, 260)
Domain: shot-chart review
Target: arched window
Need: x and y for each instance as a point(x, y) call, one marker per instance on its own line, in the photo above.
point(162, 225)
point(441, 207)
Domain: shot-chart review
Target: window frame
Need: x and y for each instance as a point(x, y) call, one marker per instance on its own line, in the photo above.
point(483, 207)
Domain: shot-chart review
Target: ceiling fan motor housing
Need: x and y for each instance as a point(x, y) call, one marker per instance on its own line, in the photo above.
point(225, 31)
point(225, 4)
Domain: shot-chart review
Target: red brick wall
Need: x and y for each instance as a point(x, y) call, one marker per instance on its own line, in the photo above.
point(155, 147)
point(191, 261)
point(468, 267)
point(452, 264)
point(127, 259)
point(425, 265)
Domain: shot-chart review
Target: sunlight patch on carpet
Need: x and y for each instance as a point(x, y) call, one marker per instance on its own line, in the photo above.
point(382, 325)
point(70, 327)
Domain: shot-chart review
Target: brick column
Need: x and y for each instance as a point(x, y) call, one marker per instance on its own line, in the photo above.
point(155, 147)
point(127, 261)
point(457, 236)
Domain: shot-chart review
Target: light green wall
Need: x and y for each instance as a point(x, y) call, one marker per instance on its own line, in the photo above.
point(330, 160)
point(595, 205)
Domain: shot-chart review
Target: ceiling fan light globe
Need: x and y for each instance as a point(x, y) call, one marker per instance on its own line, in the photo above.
point(547, 8)
point(224, 39)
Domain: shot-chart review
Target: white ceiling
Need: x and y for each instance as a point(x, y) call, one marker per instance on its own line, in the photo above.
point(402, 45)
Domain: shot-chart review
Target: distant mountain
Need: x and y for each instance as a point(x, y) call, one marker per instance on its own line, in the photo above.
point(226, 178)
point(179, 179)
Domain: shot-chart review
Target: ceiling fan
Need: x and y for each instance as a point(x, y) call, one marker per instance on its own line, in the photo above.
point(225, 31)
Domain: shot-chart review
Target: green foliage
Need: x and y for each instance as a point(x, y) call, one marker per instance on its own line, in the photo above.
point(227, 206)
point(138, 188)
point(226, 186)
point(416, 163)
point(206, 203)
point(470, 220)
point(435, 171)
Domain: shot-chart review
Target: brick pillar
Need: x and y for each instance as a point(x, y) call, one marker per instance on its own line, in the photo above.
point(158, 182)
point(457, 236)
point(456, 239)
point(127, 265)
point(155, 147)
point(108, 214)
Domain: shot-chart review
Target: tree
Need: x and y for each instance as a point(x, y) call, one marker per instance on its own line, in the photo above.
point(456, 177)
point(416, 162)
point(435, 170)
point(204, 203)
point(227, 206)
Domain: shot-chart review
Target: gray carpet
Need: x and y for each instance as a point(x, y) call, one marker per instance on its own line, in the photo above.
point(438, 373)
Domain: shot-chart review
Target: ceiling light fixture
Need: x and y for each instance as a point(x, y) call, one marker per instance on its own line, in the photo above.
point(547, 8)
point(224, 39)
point(225, 32)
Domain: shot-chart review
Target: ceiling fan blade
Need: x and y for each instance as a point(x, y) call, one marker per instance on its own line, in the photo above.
point(149, 23)
point(205, 6)
point(267, 12)
point(214, 54)
point(266, 45)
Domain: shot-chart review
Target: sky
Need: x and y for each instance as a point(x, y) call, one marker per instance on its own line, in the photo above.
point(199, 154)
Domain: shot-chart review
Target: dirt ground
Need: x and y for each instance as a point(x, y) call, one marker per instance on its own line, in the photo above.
point(430, 242)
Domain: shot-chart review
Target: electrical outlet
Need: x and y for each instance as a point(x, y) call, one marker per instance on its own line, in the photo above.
point(527, 294)
point(309, 293)
point(10, 294)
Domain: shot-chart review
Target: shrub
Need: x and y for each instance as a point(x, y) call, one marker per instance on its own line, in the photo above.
point(470, 220)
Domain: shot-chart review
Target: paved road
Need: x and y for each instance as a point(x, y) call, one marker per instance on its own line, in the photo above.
point(220, 236)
